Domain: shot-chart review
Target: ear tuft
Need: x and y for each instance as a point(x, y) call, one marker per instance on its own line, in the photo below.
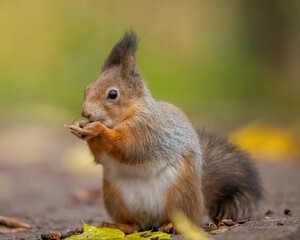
point(123, 53)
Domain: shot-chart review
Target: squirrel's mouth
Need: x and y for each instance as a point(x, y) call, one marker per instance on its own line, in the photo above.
point(105, 122)
point(102, 120)
point(93, 119)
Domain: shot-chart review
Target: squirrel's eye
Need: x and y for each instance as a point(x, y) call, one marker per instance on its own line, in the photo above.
point(113, 94)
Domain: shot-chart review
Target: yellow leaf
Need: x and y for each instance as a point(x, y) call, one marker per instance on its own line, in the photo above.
point(188, 229)
point(96, 233)
point(266, 141)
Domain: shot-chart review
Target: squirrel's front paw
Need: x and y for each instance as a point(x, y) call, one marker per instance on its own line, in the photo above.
point(86, 131)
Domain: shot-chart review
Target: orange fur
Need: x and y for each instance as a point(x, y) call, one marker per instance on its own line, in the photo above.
point(96, 148)
point(113, 142)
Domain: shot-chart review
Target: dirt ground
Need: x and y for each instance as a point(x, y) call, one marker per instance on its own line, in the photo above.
point(40, 193)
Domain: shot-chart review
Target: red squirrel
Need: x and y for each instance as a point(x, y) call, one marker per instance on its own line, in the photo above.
point(154, 161)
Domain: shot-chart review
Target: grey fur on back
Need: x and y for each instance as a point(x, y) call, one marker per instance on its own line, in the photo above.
point(182, 135)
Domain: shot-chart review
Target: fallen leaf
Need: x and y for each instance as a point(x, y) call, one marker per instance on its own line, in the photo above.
point(92, 232)
point(287, 212)
point(187, 228)
point(220, 230)
point(210, 226)
point(242, 221)
point(148, 235)
point(221, 224)
point(98, 233)
point(269, 213)
point(13, 223)
point(12, 230)
point(167, 228)
point(228, 222)
point(267, 142)
point(51, 236)
point(68, 233)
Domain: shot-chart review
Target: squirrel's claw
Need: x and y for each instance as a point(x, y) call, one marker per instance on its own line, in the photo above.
point(76, 130)
point(79, 135)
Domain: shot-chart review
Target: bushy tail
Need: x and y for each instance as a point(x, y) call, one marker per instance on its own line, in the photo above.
point(231, 185)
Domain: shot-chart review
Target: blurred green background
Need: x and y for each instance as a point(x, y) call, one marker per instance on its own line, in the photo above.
point(225, 63)
point(233, 66)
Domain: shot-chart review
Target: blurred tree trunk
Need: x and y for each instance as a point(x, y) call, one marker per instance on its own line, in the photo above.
point(266, 29)
point(270, 35)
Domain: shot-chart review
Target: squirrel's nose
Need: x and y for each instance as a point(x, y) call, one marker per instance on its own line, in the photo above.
point(86, 114)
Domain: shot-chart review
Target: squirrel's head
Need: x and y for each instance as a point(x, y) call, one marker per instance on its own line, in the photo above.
point(119, 91)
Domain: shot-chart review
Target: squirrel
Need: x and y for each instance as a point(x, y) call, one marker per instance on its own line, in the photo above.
point(154, 161)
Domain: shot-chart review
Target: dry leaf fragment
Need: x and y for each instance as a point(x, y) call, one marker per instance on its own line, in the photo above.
point(220, 230)
point(13, 223)
point(68, 233)
point(154, 238)
point(287, 212)
point(62, 235)
point(12, 230)
point(242, 221)
point(167, 228)
point(228, 222)
point(212, 226)
point(221, 224)
point(145, 235)
point(51, 236)
point(269, 213)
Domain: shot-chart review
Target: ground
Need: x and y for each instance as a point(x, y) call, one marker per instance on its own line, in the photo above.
point(41, 193)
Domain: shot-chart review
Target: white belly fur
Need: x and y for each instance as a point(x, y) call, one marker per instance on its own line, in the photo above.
point(143, 187)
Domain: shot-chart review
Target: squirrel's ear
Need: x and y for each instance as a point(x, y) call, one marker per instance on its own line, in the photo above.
point(123, 54)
